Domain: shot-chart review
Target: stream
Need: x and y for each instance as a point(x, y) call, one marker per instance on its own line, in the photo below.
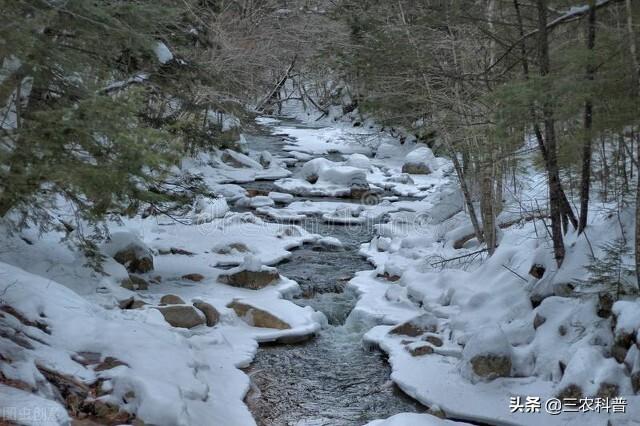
point(331, 379)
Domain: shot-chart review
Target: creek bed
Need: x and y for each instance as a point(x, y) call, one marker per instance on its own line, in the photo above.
point(331, 379)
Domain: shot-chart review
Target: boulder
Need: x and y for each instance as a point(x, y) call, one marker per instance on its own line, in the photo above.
point(171, 299)
point(129, 251)
point(491, 366)
point(134, 283)
point(182, 316)
point(487, 355)
point(193, 277)
point(257, 317)
point(425, 323)
point(420, 161)
point(253, 280)
point(211, 314)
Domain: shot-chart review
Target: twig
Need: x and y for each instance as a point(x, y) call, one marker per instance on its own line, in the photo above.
point(515, 273)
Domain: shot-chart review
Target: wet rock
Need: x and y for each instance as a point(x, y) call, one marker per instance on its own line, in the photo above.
point(425, 323)
point(389, 277)
point(253, 280)
point(211, 314)
point(171, 299)
point(538, 320)
point(537, 270)
point(193, 277)
point(182, 316)
point(257, 317)
point(311, 178)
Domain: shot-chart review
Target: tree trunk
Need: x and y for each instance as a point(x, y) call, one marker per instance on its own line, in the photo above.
point(550, 136)
point(588, 124)
point(636, 69)
point(467, 196)
point(567, 211)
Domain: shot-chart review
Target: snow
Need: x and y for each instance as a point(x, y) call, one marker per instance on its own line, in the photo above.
point(480, 306)
point(162, 52)
point(413, 419)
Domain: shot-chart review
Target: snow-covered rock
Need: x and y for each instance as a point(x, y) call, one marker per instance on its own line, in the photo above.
point(128, 250)
point(420, 161)
point(487, 355)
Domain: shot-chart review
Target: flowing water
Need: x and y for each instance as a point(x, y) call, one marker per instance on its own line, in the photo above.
point(331, 379)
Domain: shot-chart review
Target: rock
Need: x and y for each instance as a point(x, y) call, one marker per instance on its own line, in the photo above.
point(487, 355)
point(434, 340)
point(238, 247)
point(605, 305)
point(359, 192)
point(182, 316)
point(420, 350)
point(571, 392)
point(176, 251)
point(420, 161)
point(425, 323)
point(210, 313)
point(171, 299)
point(265, 159)
point(136, 257)
point(621, 346)
point(131, 303)
point(491, 366)
point(416, 169)
point(635, 381)
point(537, 270)
point(538, 320)
point(134, 283)
point(226, 158)
point(193, 277)
point(257, 317)
point(607, 390)
point(254, 280)
point(139, 282)
point(109, 363)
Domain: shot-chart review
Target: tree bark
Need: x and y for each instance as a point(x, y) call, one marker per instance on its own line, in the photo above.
point(550, 136)
point(588, 125)
point(633, 50)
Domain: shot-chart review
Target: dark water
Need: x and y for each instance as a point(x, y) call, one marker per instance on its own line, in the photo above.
point(332, 379)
